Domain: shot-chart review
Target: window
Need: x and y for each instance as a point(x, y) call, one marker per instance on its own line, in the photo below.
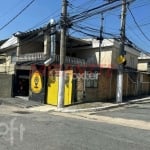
point(2, 61)
point(91, 79)
point(13, 58)
point(132, 62)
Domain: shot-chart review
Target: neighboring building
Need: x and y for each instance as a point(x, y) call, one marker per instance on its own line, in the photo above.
point(104, 87)
point(5, 79)
point(144, 62)
point(109, 52)
point(144, 69)
point(3, 59)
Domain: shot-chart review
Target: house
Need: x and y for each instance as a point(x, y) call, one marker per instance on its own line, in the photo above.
point(26, 52)
point(144, 62)
point(108, 53)
point(103, 86)
point(32, 58)
point(3, 58)
point(143, 67)
point(5, 71)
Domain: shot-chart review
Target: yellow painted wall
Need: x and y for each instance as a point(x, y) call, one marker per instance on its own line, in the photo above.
point(68, 87)
point(52, 91)
point(53, 85)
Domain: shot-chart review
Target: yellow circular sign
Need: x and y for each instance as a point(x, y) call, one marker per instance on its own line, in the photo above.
point(36, 82)
point(121, 59)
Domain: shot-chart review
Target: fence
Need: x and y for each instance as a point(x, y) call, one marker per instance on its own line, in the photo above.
point(134, 84)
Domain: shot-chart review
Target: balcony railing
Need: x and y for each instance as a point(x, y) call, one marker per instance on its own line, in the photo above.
point(42, 56)
point(71, 60)
point(31, 57)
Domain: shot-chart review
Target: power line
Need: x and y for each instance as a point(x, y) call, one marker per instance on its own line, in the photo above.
point(11, 20)
point(146, 37)
point(82, 7)
point(80, 30)
point(141, 5)
point(7, 11)
point(97, 10)
point(42, 22)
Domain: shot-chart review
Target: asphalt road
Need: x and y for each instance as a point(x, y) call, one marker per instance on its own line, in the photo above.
point(23, 130)
point(138, 111)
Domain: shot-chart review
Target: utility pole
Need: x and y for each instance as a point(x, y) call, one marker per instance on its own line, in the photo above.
point(61, 89)
point(101, 39)
point(119, 90)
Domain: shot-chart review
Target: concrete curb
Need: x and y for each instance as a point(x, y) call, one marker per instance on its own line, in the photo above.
point(48, 108)
point(45, 108)
point(65, 110)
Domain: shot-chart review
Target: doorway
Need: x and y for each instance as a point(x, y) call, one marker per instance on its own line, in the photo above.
point(22, 83)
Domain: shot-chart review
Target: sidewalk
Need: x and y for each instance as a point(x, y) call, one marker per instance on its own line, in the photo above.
point(97, 106)
point(19, 102)
point(84, 107)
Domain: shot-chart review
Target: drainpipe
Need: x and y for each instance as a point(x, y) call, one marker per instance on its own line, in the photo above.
point(53, 38)
point(52, 52)
point(18, 49)
point(46, 45)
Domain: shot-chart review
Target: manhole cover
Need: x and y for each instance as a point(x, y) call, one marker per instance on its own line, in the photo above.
point(22, 112)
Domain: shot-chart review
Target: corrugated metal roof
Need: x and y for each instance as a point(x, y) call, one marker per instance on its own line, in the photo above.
point(34, 31)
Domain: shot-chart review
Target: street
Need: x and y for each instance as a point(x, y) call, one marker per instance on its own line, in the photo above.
point(122, 128)
point(138, 111)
